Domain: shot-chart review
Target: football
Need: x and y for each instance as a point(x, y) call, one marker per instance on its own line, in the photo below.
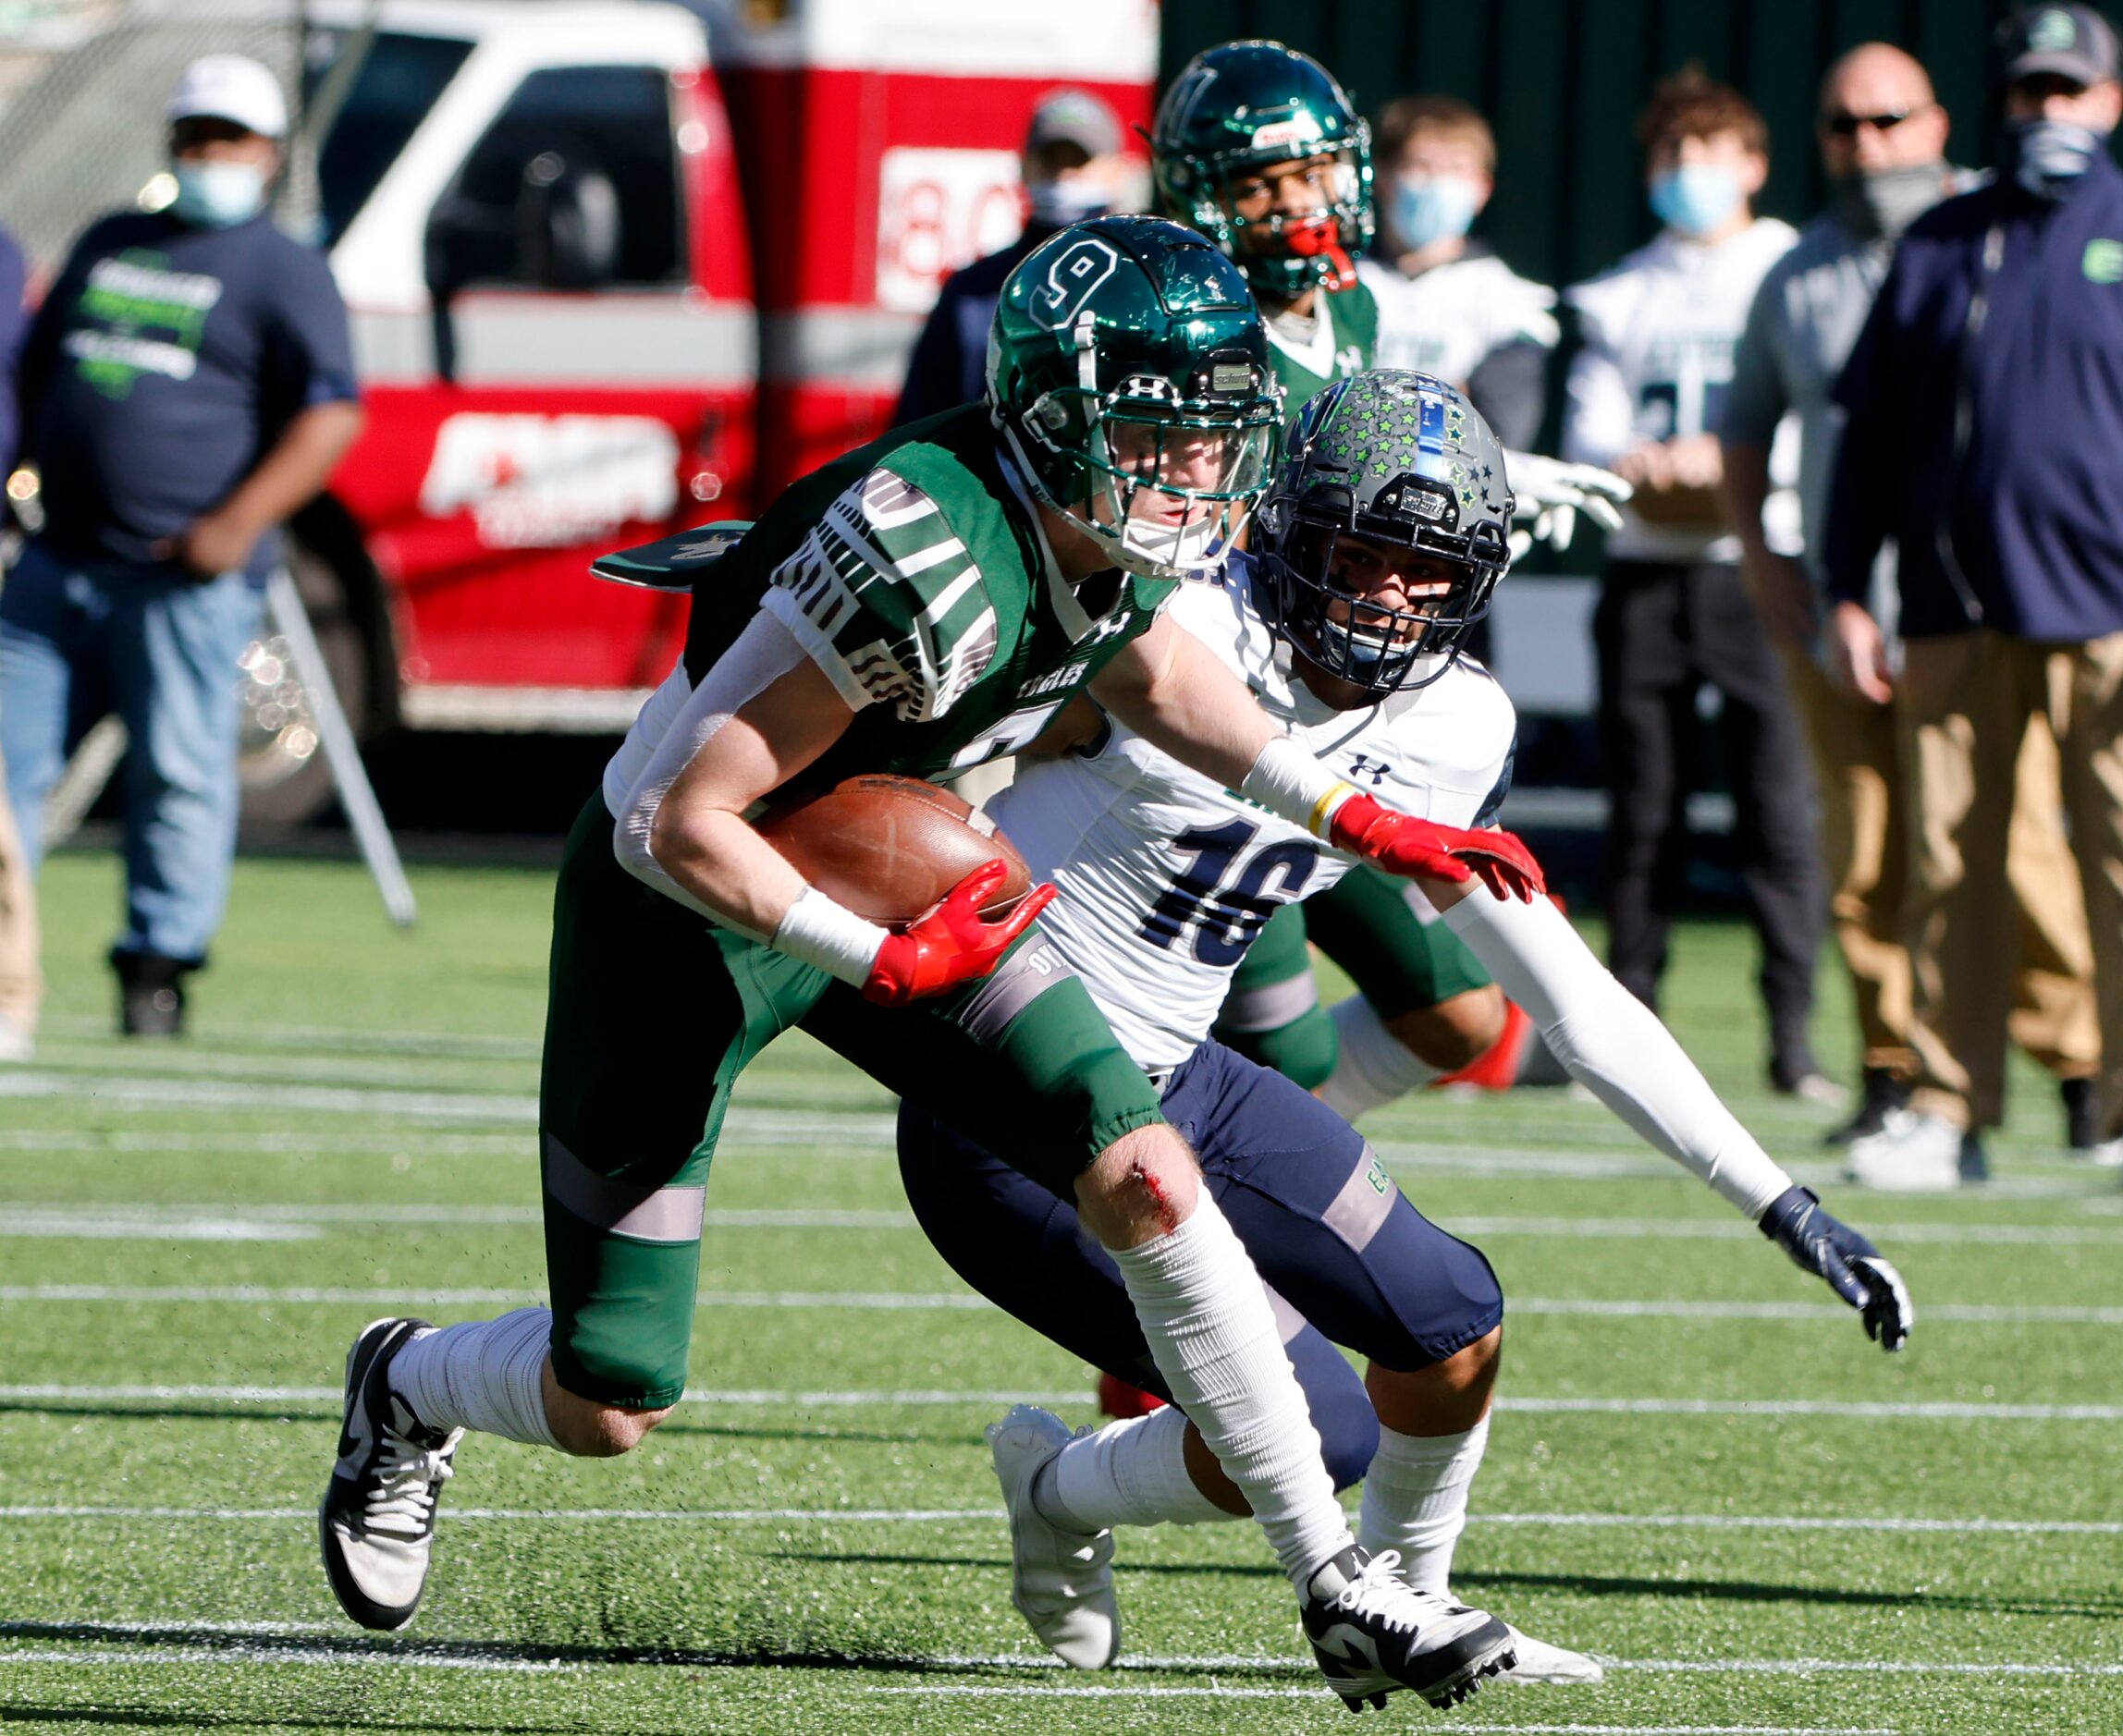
point(889, 848)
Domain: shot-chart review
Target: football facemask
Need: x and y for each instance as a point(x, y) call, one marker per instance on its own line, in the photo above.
point(1164, 482)
point(1385, 473)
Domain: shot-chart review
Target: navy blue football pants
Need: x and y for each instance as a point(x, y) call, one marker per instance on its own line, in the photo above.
point(1346, 1259)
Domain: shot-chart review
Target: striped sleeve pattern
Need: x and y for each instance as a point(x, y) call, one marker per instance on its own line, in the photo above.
point(886, 600)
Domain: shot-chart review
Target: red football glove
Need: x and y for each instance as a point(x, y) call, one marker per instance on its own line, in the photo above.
point(950, 943)
point(1401, 844)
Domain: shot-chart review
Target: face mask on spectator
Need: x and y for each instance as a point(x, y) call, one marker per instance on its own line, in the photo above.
point(1429, 208)
point(1057, 204)
point(2047, 157)
point(1886, 201)
point(1695, 198)
point(213, 195)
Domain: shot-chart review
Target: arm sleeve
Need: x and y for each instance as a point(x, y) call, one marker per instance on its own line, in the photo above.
point(1756, 401)
point(1615, 1046)
point(40, 346)
point(764, 652)
point(1599, 410)
point(309, 351)
point(1509, 386)
point(13, 323)
point(886, 598)
point(1860, 493)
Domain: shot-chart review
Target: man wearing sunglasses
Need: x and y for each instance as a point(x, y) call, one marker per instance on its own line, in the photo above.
point(1882, 138)
point(1985, 438)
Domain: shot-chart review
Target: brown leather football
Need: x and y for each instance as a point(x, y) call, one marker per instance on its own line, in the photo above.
point(889, 848)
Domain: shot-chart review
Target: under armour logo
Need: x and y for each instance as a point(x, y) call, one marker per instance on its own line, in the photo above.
point(1363, 765)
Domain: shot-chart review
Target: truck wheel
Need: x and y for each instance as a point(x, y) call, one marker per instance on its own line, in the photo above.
point(280, 760)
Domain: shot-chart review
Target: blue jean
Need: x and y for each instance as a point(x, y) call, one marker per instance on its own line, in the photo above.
point(160, 650)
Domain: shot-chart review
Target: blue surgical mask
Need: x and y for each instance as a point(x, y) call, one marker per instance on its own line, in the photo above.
point(1433, 208)
point(1057, 204)
point(2047, 157)
point(1695, 198)
point(213, 195)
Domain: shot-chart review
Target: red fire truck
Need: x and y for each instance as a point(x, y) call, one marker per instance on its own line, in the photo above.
point(614, 267)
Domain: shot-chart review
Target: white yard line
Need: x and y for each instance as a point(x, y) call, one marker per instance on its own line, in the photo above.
point(1221, 1692)
point(794, 1399)
point(1986, 1314)
point(1889, 1524)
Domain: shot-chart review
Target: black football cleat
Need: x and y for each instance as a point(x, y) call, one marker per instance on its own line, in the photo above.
point(1372, 1634)
point(376, 1523)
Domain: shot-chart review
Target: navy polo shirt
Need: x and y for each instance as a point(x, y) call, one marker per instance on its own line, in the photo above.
point(164, 365)
point(2015, 525)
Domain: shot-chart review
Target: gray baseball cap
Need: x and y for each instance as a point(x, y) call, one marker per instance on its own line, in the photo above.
point(2065, 42)
point(1073, 117)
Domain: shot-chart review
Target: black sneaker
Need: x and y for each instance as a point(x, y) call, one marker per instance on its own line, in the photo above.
point(1883, 1095)
point(376, 1523)
point(150, 993)
point(2081, 1130)
point(1373, 1634)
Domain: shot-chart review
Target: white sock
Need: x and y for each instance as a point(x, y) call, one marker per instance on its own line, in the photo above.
point(1374, 1066)
point(1415, 1499)
point(486, 1375)
point(1214, 1338)
point(1129, 1472)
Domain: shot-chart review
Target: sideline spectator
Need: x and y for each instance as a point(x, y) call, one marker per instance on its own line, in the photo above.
point(1073, 170)
point(185, 385)
point(1986, 436)
point(1447, 304)
point(1882, 138)
point(1645, 392)
point(21, 983)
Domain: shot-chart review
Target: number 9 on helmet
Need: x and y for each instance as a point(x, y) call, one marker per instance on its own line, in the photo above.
point(1128, 374)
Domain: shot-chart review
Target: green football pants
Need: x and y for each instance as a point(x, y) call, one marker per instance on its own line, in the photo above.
point(654, 1012)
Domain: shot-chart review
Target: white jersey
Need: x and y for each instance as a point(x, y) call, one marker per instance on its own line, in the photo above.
point(1450, 319)
point(1660, 331)
point(1165, 877)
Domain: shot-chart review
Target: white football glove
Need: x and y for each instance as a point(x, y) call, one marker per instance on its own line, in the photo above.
point(1550, 494)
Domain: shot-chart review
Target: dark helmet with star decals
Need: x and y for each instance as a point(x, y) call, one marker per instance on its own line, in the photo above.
point(1396, 458)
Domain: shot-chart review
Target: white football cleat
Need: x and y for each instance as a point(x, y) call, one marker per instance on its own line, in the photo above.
point(1062, 1581)
point(1539, 1661)
point(376, 1523)
point(1916, 1154)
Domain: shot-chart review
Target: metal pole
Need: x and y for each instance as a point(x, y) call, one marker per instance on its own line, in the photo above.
point(284, 606)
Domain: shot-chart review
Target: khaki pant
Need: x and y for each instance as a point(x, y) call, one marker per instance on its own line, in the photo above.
point(1967, 702)
point(21, 986)
point(1856, 760)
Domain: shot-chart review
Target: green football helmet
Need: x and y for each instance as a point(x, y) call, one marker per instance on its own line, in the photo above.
point(1128, 374)
point(1233, 110)
point(1403, 461)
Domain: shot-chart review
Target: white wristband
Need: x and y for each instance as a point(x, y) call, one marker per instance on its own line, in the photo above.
point(819, 932)
point(1288, 781)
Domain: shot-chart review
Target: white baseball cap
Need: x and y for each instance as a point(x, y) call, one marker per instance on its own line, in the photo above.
point(230, 87)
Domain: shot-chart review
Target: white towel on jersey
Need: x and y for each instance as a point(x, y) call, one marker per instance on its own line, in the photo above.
point(1660, 330)
point(1164, 877)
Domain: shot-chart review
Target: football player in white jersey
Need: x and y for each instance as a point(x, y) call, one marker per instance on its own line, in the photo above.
point(1377, 548)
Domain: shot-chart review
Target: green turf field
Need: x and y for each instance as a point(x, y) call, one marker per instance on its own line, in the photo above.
point(1699, 1471)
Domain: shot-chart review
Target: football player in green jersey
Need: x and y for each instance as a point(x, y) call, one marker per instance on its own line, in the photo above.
point(1259, 148)
point(917, 607)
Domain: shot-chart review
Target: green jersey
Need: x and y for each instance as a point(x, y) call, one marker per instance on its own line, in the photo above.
point(913, 572)
point(1344, 341)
